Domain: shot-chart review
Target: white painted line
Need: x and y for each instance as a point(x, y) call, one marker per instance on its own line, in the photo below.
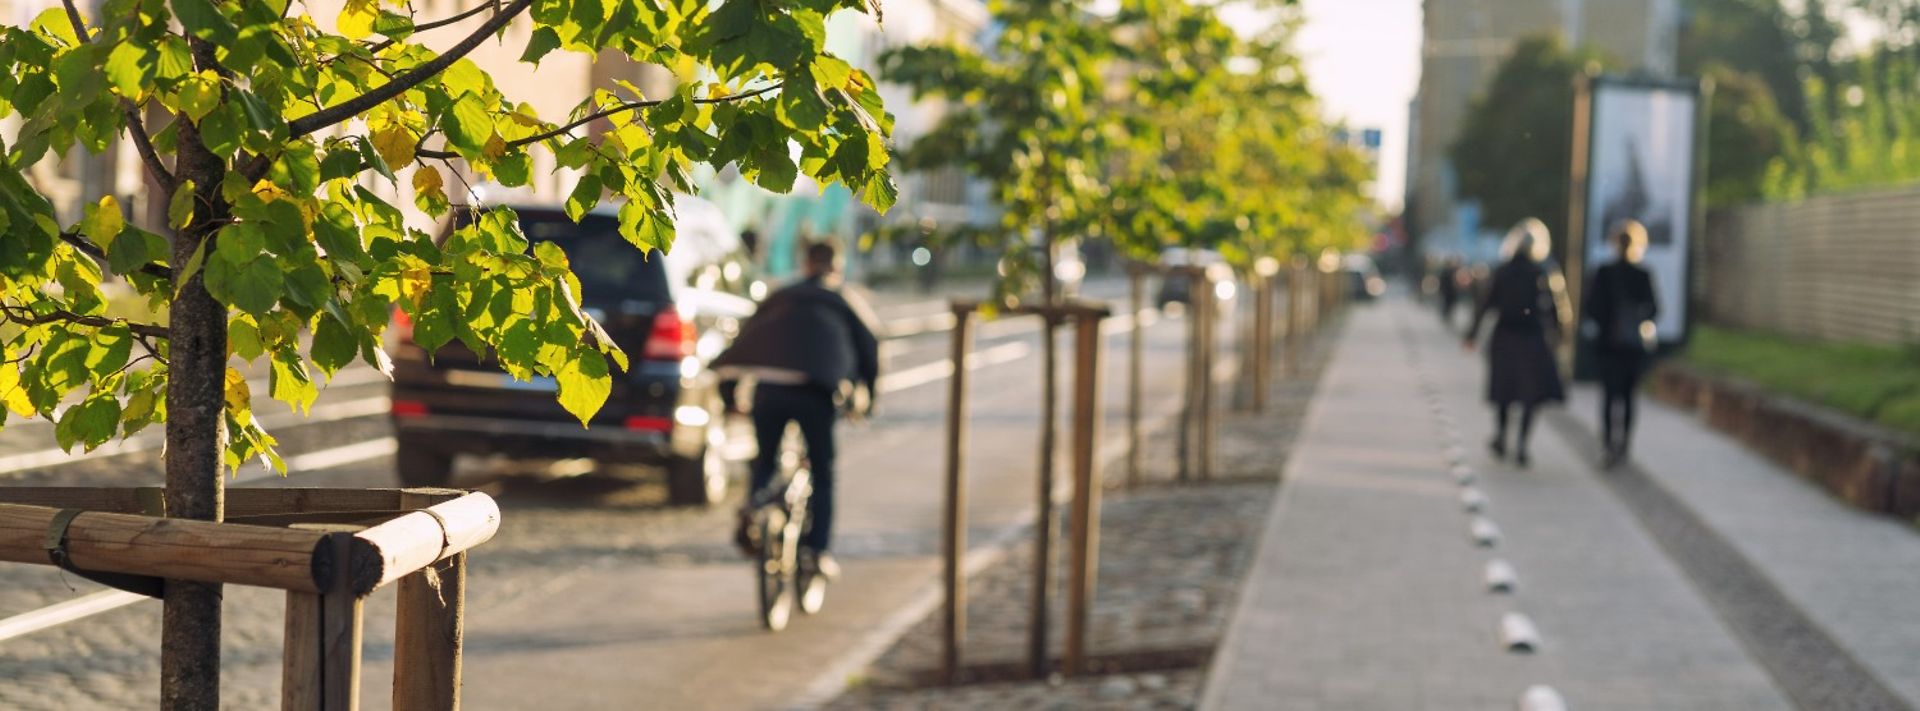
point(1485, 534)
point(940, 370)
point(1472, 500)
point(337, 456)
point(32, 621)
point(1500, 576)
point(1541, 697)
point(1518, 634)
point(40, 459)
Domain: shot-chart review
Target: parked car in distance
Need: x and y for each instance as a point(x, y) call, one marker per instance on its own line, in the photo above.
point(1364, 282)
point(1175, 284)
point(663, 415)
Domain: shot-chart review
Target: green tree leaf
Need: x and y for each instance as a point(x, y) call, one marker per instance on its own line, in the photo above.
point(584, 384)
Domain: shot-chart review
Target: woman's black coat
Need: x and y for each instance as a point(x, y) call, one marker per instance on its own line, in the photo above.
point(1530, 302)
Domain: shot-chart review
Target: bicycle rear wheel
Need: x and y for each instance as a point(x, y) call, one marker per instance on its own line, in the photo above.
point(775, 570)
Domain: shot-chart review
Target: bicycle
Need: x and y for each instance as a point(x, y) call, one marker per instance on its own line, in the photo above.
point(780, 522)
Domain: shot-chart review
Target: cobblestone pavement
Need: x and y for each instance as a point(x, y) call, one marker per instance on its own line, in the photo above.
point(593, 594)
point(1171, 560)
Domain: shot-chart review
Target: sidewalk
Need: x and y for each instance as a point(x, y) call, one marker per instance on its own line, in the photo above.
point(1368, 591)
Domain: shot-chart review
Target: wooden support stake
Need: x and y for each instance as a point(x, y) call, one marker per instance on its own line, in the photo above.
point(1135, 348)
point(429, 627)
point(1295, 276)
point(1198, 294)
point(1209, 335)
point(323, 635)
point(301, 673)
point(954, 619)
point(1262, 337)
point(1086, 490)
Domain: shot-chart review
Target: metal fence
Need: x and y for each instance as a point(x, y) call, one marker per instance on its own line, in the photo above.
point(1831, 268)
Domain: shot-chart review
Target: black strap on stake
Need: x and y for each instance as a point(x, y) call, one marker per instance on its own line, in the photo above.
point(56, 545)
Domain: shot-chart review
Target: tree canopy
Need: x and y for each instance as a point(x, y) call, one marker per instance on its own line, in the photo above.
point(274, 128)
point(1513, 151)
point(1155, 125)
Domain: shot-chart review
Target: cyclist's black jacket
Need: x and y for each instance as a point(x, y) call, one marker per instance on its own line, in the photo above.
point(812, 330)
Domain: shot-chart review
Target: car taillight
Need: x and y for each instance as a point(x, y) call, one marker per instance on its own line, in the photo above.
point(639, 423)
point(409, 408)
point(402, 326)
point(671, 337)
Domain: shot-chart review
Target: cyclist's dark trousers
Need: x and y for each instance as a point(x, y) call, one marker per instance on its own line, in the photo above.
point(773, 407)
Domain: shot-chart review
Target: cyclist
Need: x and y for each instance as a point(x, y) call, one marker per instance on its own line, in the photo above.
point(811, 352)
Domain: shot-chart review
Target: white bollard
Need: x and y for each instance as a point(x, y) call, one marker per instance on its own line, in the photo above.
point(1500, 576)
point(1485, 534)
point(1462, 474)
point(1541, 697)
point(1518, 634)
point(1472, 500)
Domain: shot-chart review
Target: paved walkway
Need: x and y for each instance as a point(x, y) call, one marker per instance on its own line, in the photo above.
point(1369, 590)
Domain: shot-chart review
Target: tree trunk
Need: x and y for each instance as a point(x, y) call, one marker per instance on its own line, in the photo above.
point(195, 435)
point(1044, 528)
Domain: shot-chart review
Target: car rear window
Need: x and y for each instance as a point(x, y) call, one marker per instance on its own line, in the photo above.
point(610, 269)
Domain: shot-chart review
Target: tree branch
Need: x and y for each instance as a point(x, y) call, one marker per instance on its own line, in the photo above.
point(355, 106)
point(597, 115)
point(142, 143)
point(21, 315)
point(434, 25)
point(81, 243)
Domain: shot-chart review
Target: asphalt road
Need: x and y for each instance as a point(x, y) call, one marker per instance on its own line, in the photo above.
point(594, 594)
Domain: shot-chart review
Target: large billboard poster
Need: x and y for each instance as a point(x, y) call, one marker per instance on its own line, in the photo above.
point(1641, 163)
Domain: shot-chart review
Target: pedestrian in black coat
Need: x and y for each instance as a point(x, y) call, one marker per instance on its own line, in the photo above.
point(1621, 306)
point(1529, 299)
point(1449, 286)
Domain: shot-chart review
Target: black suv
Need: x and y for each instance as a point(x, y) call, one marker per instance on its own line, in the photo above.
point(670, 316)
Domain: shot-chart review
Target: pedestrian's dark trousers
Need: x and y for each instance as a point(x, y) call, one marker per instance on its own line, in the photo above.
point(812, 407)
point(1619, 374)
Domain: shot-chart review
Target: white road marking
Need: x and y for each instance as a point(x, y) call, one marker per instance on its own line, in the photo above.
point(61, 613)
point(24, 461)
point(940, 370)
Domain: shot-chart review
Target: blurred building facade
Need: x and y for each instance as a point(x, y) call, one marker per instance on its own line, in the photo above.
point(1464, 42)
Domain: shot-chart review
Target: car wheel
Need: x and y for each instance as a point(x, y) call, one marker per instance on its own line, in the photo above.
point(698, 480)
point(417, 465)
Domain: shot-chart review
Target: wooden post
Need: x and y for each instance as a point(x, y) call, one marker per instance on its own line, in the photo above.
point(1209, 333)
point(301, 673)
point(1262, 336)
point(1294, 278)
point(1135, 348)
point(429, 625)
point(1086, 488)
point(1198, 293)
point(954, 622)
point(323, 634)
